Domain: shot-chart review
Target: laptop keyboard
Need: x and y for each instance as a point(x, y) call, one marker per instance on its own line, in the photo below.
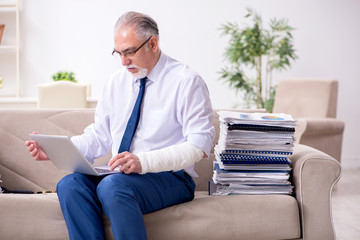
point(106, 169)
point(101, 170)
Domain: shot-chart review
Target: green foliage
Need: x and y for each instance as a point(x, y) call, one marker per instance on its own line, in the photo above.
point(64, 76)
point(261, 49)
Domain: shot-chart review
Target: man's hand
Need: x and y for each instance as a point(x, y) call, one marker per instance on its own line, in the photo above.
point(35, 151)
point(129, 163)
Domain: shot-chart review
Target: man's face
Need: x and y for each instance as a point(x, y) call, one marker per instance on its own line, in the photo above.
point(139, 64)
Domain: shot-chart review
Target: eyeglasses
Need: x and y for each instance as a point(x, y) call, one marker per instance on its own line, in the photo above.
point(129, 53)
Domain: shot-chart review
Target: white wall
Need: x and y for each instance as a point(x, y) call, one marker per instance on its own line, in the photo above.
point(77, 35)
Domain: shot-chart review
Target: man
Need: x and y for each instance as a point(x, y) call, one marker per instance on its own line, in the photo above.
point(157, 150)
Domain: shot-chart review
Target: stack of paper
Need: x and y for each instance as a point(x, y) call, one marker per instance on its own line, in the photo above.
point(0, 186)
point(252, 154)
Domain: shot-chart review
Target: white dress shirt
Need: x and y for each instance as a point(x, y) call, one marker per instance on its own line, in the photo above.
point(176, 108)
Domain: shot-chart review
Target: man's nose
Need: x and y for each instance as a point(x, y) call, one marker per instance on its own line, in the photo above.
point(125, 60)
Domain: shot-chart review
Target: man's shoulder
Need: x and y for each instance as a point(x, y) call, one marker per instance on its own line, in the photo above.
point(180, 70)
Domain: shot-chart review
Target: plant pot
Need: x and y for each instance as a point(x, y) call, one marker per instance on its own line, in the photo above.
point(2, 26)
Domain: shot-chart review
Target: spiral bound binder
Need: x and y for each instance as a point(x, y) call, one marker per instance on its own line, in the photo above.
point(259, 127)
point(228, 152)
point(254, 158)
point(255, 161)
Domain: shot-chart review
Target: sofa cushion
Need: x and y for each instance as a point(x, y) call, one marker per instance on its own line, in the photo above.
point(239, 216)
point(38, 216)
point(31, 216)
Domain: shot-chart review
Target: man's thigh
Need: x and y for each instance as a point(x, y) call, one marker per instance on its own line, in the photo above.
point(152, 191)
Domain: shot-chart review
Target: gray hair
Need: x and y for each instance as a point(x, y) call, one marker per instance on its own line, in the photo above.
point(145, 26)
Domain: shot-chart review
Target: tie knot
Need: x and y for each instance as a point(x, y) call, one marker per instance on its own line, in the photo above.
point(143, 81)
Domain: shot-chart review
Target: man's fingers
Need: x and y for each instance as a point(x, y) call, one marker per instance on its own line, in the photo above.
point(112, 161)
point(35, 153)
point(119, 158)
point(30, 147)
point(130, 169)
point(116, 158)
point(114, 165)
point(128, 163)
point(117, 162)
point(125, 163)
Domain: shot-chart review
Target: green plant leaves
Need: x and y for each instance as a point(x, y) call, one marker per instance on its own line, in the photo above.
point(64, 76)
point(256, 47)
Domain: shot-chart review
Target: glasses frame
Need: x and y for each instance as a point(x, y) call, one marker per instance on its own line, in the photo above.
point(130, 53)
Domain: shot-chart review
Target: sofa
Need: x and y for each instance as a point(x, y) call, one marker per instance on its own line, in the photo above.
point(305, 215)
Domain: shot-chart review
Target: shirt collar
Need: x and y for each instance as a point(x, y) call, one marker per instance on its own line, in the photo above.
point(155, 72)
point(159, 66)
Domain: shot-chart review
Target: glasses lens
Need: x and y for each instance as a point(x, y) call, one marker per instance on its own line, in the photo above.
point(116, 55)
point(129, 54)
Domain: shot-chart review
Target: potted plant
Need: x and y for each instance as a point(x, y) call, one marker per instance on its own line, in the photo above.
point(64, 76)
point(264, 50)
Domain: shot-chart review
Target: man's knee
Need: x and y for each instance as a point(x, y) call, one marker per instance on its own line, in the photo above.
point(114, 187)
point(72, 182)
point(65, 183)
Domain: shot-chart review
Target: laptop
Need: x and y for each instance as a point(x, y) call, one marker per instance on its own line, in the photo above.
point(67, 157)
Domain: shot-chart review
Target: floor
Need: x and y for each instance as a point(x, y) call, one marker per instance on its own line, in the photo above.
point(346, 205)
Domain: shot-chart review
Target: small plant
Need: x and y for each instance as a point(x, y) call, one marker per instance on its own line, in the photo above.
point(264, 50)
point(64, 76)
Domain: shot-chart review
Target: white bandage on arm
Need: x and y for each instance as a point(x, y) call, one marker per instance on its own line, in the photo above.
point(173, 158)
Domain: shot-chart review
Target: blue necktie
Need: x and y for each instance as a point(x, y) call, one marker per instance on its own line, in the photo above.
point(133, 120)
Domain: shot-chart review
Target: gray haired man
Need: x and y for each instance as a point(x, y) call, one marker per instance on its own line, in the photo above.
point(155, 116)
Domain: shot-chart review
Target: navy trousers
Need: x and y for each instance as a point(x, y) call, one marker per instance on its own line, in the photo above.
point(124, 199)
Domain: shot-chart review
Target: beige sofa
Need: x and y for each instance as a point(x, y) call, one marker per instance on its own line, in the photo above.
point(38, 216)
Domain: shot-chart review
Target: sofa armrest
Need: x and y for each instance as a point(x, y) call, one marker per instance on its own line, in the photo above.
point(314, 175)
point(318, 126)
point(315, 126)
point(324, 134)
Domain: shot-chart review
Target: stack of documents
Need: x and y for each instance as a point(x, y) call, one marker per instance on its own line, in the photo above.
point(252, 154)
point(0, 186)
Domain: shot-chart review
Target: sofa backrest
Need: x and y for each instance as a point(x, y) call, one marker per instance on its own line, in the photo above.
point(17, 168)
point(19, 171)
point(305, 97)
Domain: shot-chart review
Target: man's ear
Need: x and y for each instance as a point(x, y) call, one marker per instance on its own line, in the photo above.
point(154, 43)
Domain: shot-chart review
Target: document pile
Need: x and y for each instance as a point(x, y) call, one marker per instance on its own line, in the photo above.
point(252, 154)
point(1, 191)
